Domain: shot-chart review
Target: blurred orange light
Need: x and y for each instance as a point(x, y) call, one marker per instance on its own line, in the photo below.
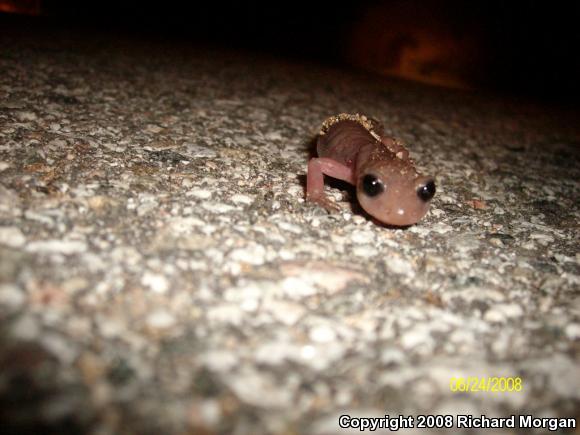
point(28, 7)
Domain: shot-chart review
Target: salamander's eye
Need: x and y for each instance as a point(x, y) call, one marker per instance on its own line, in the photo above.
point(426, 191)
point(372, 186)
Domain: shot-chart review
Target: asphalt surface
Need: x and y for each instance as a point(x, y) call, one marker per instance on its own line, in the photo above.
point(160, 271)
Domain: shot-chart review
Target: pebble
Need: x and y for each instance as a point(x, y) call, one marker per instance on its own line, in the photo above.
point(297, 287)
point(198, 151)
point(572, 331)
point(59, 346)
point(66, 247)
point(275, 353)
point(219, 360)
point(156, 282)
point(161, 319)
point(362, 236)
point(226, 313)
point(392, 355)
point(199, 193)
point(12, 236)
point(364, 251)
point(26, 116)
point(147, 206)
point(399, 265)
point(502, 312)
point(241, 199)
point(206, 413)
point(288, 313)
point(25, 327)
point(257, 389)
point(252, 254)
point(417, 336)
point(286, 226)
point(217, 207)
point(11, 296)
point(322, 334)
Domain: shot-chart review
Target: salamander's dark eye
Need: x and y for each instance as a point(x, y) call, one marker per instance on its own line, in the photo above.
point(426, 191)
point(372, 186)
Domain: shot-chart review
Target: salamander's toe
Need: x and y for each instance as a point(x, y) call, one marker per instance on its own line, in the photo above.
point(326, 203)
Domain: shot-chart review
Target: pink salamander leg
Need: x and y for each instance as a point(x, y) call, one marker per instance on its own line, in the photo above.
point(317, 168)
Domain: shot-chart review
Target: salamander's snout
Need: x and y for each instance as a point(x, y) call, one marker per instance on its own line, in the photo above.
point(397, 200)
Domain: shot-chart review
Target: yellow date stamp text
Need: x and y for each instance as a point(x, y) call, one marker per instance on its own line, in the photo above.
point(487, 384)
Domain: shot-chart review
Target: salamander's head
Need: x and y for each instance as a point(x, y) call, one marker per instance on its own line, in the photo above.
point(395, 195)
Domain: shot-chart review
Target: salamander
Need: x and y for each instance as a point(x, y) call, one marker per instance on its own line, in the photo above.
point(353, 148)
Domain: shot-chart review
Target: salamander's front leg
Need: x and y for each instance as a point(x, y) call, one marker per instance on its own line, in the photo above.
point(317, 168)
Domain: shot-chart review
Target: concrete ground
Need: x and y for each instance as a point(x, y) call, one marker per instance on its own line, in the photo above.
point(161, 272)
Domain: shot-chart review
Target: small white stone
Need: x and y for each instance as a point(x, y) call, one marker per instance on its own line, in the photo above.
point(250, 305)
point(494, 315)
point(572, 331)
point(198, 151)
point(12, 236)
point(147, 207)
point(112, 328)
point(185, 225)
point(199, 193)
point(65, 247)
point(296, 287)
point(156, 282)
point(296, 191)
point(362, 236)
point(4, 166)
point(160, 320)
point(217, 207)
point(392, 355)
point(419, 335)
point(60, 347)
point(11, 296)
point(442, 228)
point(273, 135)
point(286, 254)
point(25, 328)
point(252, 254)
point(286, 226)
point(57, 143)
point(275, 353)
point(26, 116)
point(364, 251)
point(241, 199)
point(320, 356)
point(258, 390)
point(322, 334)
point(286, 312)
point(502, 312)
point(437, 212)
point(512, 310)
point(308, 352)
point(210, 411)
point(542, 238)
point(399, 265)
point(219, 360)
point(152, 128)
point(226, 313)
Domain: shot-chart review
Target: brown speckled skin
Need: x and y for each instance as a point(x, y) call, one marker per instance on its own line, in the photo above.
point(348, 151)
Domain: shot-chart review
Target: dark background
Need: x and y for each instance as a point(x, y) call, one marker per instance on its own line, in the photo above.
point(528, 48)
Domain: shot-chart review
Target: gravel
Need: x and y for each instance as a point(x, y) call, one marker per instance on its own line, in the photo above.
point(160, 271)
